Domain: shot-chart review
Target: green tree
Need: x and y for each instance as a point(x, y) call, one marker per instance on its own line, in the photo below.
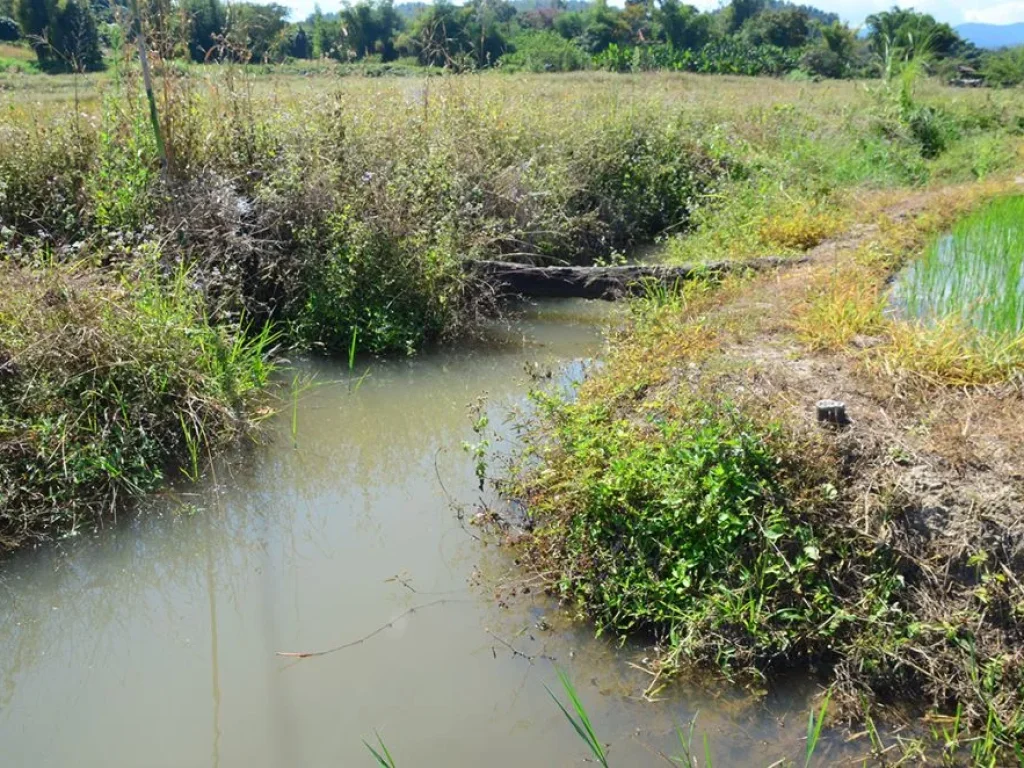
point(739, 12)
point(785, 27)
point(256, 29)
point(1004, 67)
point(34, 18)
point(359, 23)
point(482, 27)
point(9, 29)
point(75, 37)
point(904, 34)
point(301, 47)
point(439, 36)
point(206, 22)
point(320, 42)
point(839, 39)
point(389, 26)
point(569, 25)
point(833, 54)
point(63, 33)
point(604, 26)
point(683, 26)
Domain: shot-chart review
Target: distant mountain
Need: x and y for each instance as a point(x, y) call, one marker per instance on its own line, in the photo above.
point(992, 35)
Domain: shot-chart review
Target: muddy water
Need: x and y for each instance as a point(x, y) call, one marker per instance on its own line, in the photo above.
point(154, 644)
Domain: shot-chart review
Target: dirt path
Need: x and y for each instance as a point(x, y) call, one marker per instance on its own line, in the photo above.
point(935, 473)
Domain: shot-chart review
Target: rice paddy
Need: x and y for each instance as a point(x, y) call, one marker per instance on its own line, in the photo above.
point(975, 273)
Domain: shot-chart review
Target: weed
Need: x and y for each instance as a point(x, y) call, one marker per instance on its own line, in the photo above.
point(580, 721)
point(107, 384)
point(380, 753)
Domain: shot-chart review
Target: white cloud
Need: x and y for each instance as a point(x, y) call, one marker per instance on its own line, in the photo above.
point(1002, 13)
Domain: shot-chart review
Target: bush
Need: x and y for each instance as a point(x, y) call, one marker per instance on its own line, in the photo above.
point(544, 51)
point(9, 29)
point(703, 526)
point(824, 63)
point(105, 386)
point(376, 290)
point(1005, 67)
point(42, 175)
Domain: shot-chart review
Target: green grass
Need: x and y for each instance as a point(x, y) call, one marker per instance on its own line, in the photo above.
point(975, 274)
point(701, 524)
point(109, 387)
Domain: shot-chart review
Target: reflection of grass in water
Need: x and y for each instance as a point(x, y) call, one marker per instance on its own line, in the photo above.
point(976, 273)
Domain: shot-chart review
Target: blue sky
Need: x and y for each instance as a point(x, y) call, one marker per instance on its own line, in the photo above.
point(853, 11)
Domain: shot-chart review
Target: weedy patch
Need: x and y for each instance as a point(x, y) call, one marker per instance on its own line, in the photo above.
point(799, 229)
point(107, 388)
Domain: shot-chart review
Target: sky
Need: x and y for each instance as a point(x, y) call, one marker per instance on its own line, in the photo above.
point(853, 11)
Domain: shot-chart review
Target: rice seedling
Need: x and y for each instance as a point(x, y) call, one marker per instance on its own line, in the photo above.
point(975, 274)
point(381, 753)
point(814, 726)
point(580, 721)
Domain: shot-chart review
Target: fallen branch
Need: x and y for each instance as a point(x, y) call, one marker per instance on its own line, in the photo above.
point(364, 638)
point(608, 283)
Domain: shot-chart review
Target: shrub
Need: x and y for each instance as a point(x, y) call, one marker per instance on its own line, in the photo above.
point(105, 385)
point(544, 51)
point(369, 287)
point(42, 175)
point(9, 29)
point(1005, 67)
point(824, 63)
point(702, 525)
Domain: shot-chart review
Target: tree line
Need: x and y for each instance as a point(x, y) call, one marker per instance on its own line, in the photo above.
point(743, 37)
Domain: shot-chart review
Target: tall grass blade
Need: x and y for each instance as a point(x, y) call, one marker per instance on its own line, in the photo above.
point(383, 757)
point(352, 350)
point(814, 726)
point(581, 722)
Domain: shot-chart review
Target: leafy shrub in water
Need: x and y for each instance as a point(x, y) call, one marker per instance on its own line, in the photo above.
point(641, 179)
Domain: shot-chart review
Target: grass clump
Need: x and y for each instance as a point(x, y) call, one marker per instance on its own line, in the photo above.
point(106, 388)
point(799, 229)
point(697, 525)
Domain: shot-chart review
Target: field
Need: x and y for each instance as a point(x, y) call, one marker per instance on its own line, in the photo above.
point(687, 492)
